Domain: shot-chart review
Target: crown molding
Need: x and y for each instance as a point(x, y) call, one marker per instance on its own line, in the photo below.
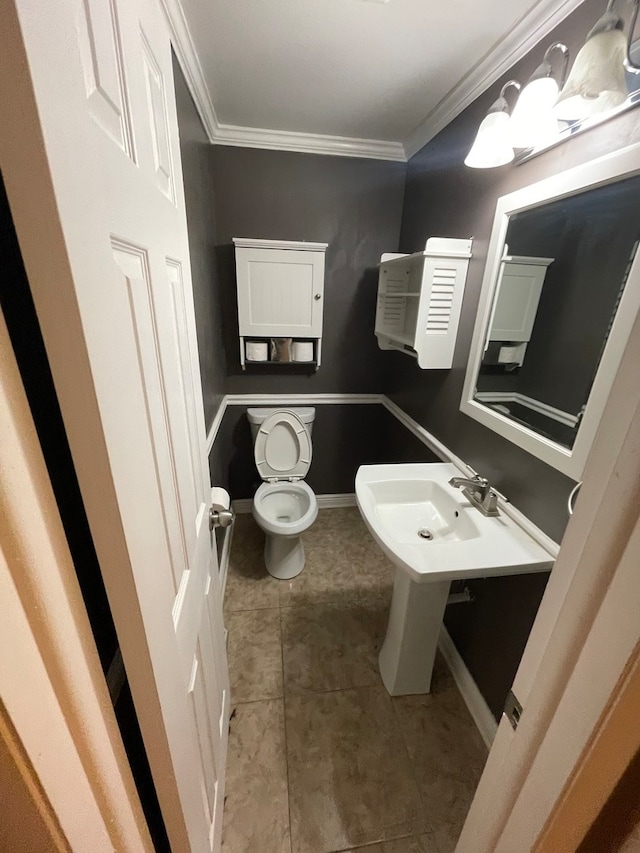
point(257, 137)
point(309, 143)
point(530, 29)
point(186, 55)
point(533, 26)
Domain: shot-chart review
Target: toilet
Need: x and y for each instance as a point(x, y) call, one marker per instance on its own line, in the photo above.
point(284, 505)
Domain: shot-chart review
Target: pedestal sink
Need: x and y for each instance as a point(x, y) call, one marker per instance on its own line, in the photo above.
point(433, 535)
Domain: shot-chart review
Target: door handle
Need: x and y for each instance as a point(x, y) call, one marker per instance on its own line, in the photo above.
point(220, 518)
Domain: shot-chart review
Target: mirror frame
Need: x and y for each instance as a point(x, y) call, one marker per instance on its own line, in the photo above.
point(605, 170)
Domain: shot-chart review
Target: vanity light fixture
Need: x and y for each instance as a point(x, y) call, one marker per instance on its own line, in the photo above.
point(492, 146)
point(533, 122)
point(597, 80)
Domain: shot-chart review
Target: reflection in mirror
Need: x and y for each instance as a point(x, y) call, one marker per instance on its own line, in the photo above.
point(561, 277)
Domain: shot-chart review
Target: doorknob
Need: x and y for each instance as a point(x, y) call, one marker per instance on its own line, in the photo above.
point(220, 518)
point(317, 296)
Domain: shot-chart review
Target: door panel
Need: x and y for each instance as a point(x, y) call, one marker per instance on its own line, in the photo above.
point(109, 124)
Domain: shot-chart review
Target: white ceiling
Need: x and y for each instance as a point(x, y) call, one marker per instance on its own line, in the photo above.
point(354, 69)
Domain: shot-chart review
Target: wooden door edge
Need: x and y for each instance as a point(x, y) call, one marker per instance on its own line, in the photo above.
point(613, 745)
point(51, 680)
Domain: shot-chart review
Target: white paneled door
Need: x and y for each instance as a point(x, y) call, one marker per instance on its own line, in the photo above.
point(121, 339)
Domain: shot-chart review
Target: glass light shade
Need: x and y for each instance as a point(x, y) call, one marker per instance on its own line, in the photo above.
point(533, 122)
point(492, 146)
point(597, 80)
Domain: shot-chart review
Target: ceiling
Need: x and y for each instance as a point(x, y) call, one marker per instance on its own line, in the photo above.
point(355, 75)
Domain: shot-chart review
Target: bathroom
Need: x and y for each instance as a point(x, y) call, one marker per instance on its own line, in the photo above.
point(313, 742)
point(363, 208)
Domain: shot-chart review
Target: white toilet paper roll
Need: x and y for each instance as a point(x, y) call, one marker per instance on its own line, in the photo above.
point(220, 499)
point(302, 351)
point(256, 350)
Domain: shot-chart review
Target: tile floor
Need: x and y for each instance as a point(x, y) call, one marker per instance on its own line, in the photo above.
point(321, 759)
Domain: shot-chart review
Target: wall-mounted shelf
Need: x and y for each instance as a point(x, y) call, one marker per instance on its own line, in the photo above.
point(419, 300)
point(298, 365)
point(280, 295)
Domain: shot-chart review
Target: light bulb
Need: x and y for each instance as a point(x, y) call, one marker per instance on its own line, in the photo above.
point(492, 146)
point(533, 123)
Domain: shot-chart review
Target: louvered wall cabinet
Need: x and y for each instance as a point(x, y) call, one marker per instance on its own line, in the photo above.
point(419, 300)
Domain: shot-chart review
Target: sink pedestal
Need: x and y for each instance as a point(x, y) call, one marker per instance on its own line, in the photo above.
point(409, 649)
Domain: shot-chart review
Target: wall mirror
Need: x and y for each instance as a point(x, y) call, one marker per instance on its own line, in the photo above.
point(560, 293)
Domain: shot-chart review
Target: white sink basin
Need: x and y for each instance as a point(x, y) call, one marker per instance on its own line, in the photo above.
point(433, 535)
point(430, 529)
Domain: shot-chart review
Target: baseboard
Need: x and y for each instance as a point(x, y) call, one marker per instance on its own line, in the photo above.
point(336, 501)
point(243, 505)
point(474, 700)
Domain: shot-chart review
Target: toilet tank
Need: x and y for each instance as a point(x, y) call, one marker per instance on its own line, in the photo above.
point(256, 417)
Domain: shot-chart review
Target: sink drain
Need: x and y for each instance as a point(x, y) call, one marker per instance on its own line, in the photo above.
point(425, 534)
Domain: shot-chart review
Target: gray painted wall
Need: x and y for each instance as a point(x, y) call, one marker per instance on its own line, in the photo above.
point(445, 198)
point(195, 151)
point(353, 205)
point(357, 207)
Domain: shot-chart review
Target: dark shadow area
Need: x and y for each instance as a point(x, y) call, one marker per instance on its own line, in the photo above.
point(24, 330)
point(619, 817)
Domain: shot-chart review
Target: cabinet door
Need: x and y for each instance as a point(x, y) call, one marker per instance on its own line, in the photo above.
point(517, 301)
point(280, 292)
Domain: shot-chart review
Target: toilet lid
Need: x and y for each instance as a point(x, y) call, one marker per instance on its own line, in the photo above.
point(283, 447)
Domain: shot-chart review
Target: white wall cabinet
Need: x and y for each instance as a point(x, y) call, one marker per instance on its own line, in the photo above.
point(280, 291)
point(517, 297)
point(419, 300)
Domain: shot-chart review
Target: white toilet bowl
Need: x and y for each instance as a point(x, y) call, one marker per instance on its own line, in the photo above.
point(284, 506)
point(284, 511)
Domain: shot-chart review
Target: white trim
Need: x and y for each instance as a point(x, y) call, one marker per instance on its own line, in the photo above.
point(294, 245)
point(285, 400)
point(302, 399)
point(533, 26)
point(309, 143)
point(190, 64)
point(336, 501)
point(215, 426)
point(330, 501)
point(427, 438)
point(565, 418)
point(473, 698)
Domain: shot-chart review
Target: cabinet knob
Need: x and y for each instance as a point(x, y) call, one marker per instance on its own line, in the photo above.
point(317, 296)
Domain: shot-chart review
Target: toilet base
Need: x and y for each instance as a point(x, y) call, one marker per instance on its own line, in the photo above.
point(284, 556)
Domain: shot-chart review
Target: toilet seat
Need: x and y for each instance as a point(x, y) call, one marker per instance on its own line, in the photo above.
point(282, 448)
point(265, 510)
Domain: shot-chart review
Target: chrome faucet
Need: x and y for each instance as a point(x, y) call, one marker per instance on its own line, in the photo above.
point(478, 492)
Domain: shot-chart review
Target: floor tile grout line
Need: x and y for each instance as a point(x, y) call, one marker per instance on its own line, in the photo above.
point(331, 690)
point(410, 760)
point(286, 741)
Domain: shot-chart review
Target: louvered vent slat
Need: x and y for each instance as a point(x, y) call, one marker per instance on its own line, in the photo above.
point(442, 290)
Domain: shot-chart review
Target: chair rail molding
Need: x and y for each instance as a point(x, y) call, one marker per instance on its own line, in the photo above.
point(437, 447)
